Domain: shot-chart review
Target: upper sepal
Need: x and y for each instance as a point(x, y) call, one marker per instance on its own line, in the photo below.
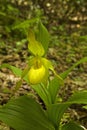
point(34, 46)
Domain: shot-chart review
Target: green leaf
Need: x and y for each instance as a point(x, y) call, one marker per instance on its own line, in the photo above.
point(71, 126)
point(43, 93)
point(85, 107)
point(56, 111)
point(43, 36)
point(14, 69)
point(53, 89)
point(65, 74)
point(54, 84)
point(24, 113)
point(78, 98)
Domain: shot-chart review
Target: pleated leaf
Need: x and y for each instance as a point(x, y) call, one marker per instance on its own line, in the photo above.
point(78, 98)
point(71, 126)
point(65, 73)
point(43, 93)
point(24, 113)
point(56, 111)
point(53, 89)
point(55, 84)
point(16, 71)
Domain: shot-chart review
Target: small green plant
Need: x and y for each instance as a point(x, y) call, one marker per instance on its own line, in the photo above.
point(25, 113)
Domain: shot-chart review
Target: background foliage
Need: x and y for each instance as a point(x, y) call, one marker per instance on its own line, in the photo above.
point(62, 16)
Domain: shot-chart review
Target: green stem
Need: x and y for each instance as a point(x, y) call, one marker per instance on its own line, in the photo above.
point(56, 128)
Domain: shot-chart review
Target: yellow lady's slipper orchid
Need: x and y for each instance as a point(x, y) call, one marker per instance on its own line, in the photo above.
point(36, 75)
point(39, 66)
